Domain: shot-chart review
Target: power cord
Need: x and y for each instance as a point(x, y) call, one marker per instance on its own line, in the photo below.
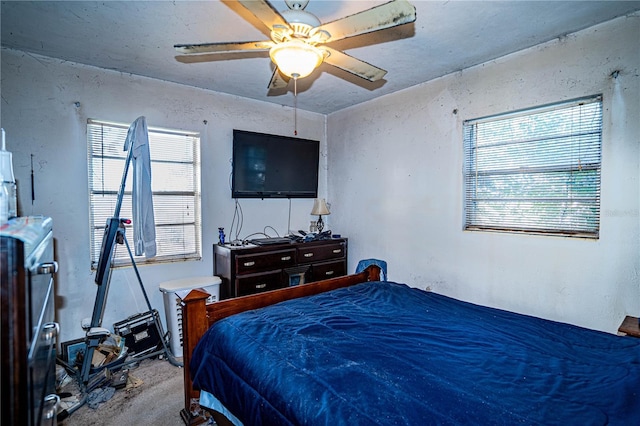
point(237, 221)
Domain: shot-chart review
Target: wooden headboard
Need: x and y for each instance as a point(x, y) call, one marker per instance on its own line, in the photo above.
point(197, 317)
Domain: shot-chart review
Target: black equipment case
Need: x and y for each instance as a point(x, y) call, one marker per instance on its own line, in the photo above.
point(143, 333)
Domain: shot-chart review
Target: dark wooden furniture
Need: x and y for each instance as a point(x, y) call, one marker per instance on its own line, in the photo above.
point(197, 317)
point(630, 327)
point(255, 269)
point(29, 331)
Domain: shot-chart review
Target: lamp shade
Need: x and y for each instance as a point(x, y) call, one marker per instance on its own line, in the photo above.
point(296, 58)
point(320, 207)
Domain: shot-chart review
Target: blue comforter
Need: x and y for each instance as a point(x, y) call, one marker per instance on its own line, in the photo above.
point(387, 354)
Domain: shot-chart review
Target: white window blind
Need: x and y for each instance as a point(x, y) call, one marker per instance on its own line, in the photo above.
point(175, 182)
point(535, 171)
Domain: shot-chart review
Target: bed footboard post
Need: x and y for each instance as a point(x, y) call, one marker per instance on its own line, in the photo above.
point(373, 272)
point(194, 325)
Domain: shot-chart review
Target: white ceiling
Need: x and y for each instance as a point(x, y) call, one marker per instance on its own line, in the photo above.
point(137, 37)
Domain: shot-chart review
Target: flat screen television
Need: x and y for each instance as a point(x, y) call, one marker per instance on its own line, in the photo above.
point(271, 166)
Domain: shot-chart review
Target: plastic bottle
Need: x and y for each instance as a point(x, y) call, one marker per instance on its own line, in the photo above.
point(12, 203)
point(8, 196)
point(4, 204)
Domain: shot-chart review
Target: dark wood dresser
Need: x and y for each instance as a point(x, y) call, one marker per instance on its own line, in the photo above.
point(248, 270)
point(29, 330)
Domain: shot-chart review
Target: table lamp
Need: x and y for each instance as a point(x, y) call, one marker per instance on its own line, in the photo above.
point(320, 208)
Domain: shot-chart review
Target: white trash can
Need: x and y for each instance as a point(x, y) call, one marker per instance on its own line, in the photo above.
point(174, 291)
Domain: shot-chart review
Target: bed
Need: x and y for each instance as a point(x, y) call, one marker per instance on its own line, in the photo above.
point(358, 351)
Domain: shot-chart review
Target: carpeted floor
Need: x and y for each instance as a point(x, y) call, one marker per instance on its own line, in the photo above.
point(153, 397)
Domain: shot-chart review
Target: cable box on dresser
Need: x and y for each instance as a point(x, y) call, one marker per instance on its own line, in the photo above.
point(254, 269)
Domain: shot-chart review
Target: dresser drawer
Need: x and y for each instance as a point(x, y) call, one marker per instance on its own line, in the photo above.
point(325, 270)
point(318, 253)
point(42, 366)
point(257, 283)
point(256, 262)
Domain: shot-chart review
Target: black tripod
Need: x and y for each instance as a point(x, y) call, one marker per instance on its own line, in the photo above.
point(114, 233)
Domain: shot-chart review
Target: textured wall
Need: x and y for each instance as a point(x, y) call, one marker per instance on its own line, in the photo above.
point(395, 182)
point(45, 106)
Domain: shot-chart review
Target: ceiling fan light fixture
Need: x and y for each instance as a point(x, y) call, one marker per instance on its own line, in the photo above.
point(297, 38)
point(295, 58)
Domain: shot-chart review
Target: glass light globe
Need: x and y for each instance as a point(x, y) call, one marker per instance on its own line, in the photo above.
point(296, 58)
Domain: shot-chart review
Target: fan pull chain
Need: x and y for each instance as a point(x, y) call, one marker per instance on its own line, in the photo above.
point(295, 105)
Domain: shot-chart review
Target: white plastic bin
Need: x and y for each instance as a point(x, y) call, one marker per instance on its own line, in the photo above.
point(174, 291)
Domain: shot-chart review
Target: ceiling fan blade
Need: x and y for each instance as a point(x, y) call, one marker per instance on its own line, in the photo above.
point(354, 66)
point(223, 47)
point(263, 10)
point(386, 15)
point(278, 80)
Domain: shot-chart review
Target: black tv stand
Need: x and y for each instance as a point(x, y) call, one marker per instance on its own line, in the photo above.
point(254, 269)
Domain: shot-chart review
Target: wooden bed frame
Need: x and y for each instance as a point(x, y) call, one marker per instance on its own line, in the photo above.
point(197, 317)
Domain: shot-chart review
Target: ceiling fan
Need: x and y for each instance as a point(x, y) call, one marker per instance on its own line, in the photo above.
point(298, 38)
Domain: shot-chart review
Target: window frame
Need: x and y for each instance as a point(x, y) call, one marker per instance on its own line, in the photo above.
point(491, 178)
point(112, 171)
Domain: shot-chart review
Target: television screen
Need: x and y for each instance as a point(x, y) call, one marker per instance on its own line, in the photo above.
point(271, 166)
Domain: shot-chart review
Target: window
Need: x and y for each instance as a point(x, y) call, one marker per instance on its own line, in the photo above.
point(175, 182)
point(535, 171)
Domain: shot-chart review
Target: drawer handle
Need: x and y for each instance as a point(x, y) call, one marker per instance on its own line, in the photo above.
point(261, 286)
point(50, 331)
point(308, 255)
point(50, 406)
point(249, 263)
point(48, 268)
point(336, 251)
point(329, 273)
point(285, 258)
